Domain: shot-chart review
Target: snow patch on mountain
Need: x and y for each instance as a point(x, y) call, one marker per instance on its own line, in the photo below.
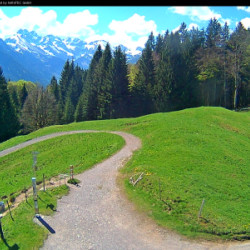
point(51, 52)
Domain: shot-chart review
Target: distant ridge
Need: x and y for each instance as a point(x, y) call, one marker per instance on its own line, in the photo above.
point(29, 56)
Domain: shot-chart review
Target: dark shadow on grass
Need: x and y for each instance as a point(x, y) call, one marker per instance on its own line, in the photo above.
point(14, 247)
point(45, 224)
point(51, 206)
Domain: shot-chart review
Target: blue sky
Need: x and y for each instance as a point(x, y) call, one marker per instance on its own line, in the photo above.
point(127, 24)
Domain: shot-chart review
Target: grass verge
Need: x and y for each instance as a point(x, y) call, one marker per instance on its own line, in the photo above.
point(186, 156)
point(20, 232)
point(54, 158)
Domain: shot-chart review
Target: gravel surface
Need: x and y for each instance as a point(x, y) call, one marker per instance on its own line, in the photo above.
point(97, 214)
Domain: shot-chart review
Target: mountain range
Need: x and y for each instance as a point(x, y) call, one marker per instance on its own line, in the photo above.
point(29, 56)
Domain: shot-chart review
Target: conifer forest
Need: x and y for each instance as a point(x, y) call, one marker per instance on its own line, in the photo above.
point(188, 68)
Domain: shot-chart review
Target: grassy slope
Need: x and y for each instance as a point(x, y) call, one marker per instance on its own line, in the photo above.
point(194, 154)
point(22, 232)
point(55, 156)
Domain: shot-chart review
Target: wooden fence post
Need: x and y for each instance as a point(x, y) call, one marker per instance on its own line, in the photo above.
point(71, 171)
point(202, 204)
point(43, 183)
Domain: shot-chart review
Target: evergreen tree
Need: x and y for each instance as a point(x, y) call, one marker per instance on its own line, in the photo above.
point(210, 61)
point(69, 111)
point(103, 85)
point(91, 89)
point(66, 76)
point(53, 88)
point(14, 100)
point(151, 41)
point(9, 124)
point(164, 80)
point(80, 112)
point(224, 46)
point(23, 95)
point(238, 45)
point(144, 82)
point(119, 85)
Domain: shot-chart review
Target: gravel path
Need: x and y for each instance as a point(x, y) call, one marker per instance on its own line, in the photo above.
point(97, 215)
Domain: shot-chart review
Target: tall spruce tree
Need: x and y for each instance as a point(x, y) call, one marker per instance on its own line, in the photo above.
point(23, 95)
point(144, 82)
point(9, 124)
point(238, 45)
point(119, 85)
point(53, 88)
point(103, 84)
point(66, 76)
point(69, 111)
point(90, 91)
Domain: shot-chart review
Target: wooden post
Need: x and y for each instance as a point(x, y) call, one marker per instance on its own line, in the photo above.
point(159, 189)
point(9, 210)
point(25, 194)
point(71, 172)
point(2, 209)
point(202, 204)
point(1, 230)
point(43, 183)
point(35, 196)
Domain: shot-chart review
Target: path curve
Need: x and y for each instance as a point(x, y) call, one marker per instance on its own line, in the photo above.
point(97, 215)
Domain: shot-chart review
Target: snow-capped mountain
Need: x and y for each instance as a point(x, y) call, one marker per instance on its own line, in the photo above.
point(41, 57)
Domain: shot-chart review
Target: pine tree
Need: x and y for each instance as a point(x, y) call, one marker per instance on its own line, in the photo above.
point(210, 61)
point(9, 124)
point(91, 89)
point(103, 85)
point(66, 76)
point(80, 112)
point(144, 82)
point(14, 100)
point(119, 84)
point(238, 46)
point(53, 88)
point(224, 43)
point(23, 95)
point(69, 111)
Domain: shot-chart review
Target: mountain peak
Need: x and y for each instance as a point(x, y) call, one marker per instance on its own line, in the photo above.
point(47, 50)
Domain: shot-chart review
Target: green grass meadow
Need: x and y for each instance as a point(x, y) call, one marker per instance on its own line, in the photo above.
point(54, 158)
point(20, 232)
point(186, 156)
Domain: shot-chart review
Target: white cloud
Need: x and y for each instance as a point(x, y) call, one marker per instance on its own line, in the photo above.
point(226, 20)
point(245, 8)
point(32, 18)
point(192, 25)
point(134, 30)
point(176, 29)
point(196, 13)
point(76, 25)
point(246, 22)
point(133, 25)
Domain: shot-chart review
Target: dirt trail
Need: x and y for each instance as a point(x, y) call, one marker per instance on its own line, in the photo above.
point(97, 215)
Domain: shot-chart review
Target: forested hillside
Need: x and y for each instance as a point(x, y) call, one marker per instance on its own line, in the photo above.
point(188, 68)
